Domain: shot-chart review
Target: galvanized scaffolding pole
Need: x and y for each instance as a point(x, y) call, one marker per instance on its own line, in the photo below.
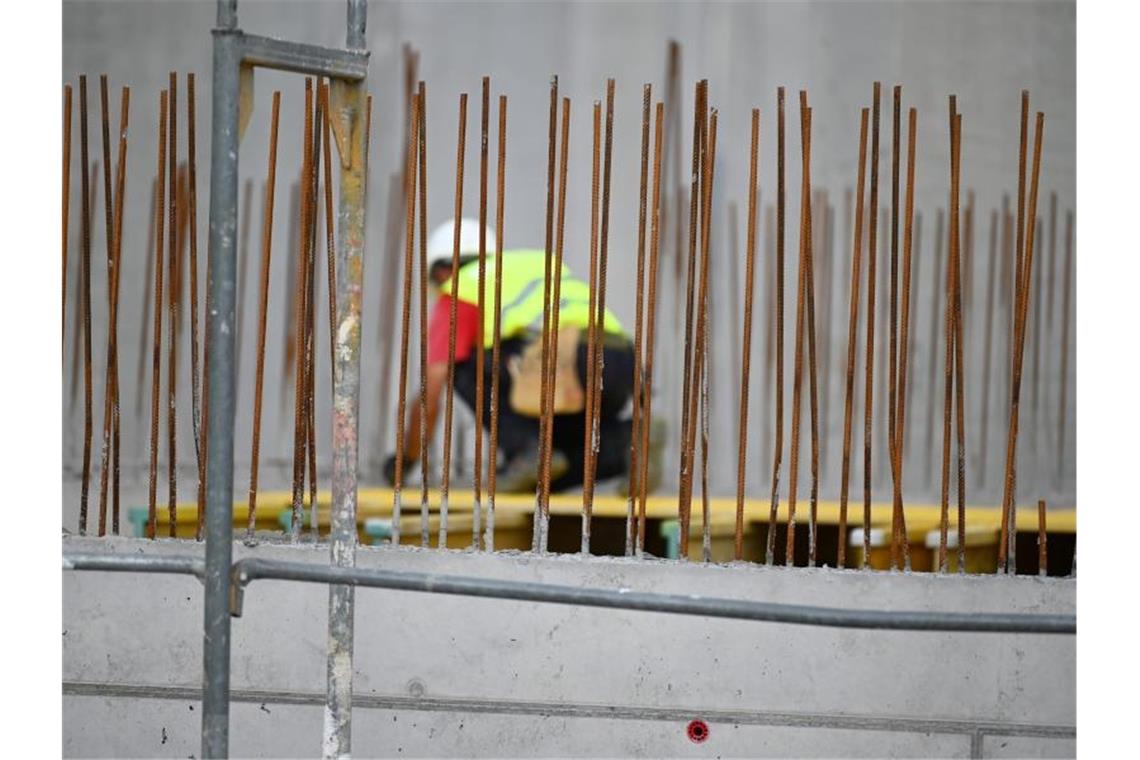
point(220, 332)
point(347, 116)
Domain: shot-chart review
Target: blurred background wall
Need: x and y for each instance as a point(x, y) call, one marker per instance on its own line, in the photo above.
point(984, 52)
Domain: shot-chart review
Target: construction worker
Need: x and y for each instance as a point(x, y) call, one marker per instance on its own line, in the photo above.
point(520, 362)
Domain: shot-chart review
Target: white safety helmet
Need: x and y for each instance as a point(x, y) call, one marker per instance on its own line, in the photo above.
point(441, 242)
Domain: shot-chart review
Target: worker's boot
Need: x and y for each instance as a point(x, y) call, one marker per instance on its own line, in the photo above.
point(520, 474)
point(655, 464)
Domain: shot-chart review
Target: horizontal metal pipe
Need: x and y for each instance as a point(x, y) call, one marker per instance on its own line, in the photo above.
point(302, 58)
point(247, 570)
point(135, 563)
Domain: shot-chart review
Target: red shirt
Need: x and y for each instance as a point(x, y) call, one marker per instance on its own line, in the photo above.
point(467, 330)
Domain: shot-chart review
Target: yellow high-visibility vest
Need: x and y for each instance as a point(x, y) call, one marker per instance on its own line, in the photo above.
point(524, 272)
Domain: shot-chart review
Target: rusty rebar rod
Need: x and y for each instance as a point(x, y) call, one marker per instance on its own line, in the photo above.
point(116, 417)
point(1019, 251)
point(196, 375)
point(109, 238)
point(813, 374)
point(812, 364)
point(1009, 507)
point(852, 339)
point(1042, 540)
point(263, 311)
point(108, 195)
point(949, 376)
point(540, 518)
point(746, 340)
point(869, 384)
point(959, 343)
point(892, 325)
point(496, 335)
point(410, 156)
point(66, 197)
point(905, 337)
point(77, 327)
point(480, 353)
point(778, 448)
point(699, 392)
point(449, 409)
point(551, 361)
point(300, 417)
point(651, 324)
point(685, 476)
point(308, 341)
point(594, 408)
point(85, 225)
point(1066, 323)
point(111, 380)
point(706, 342)
point(156, 335)
point(639, 309)
point(1018, 255)
point(421, 167)
point(174, 293)
point(799, 338)
point(591, 324)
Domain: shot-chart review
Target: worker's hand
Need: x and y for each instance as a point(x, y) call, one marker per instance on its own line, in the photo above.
point(390, 468)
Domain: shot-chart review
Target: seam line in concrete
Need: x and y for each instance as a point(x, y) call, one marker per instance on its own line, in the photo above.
point(976, 729)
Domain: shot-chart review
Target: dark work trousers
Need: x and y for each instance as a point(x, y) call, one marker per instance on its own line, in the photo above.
point(518, 434)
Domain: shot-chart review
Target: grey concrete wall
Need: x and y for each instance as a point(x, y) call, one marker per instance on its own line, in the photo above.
point(450, 676)
point(986, 52)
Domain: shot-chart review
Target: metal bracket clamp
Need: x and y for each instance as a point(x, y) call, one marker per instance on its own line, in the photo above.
point(302, 58)
point(340, 66)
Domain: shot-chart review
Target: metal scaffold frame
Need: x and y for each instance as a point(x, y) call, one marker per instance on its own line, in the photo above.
point(235, 56)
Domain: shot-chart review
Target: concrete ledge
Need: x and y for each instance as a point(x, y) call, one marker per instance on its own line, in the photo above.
point(576, 681)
